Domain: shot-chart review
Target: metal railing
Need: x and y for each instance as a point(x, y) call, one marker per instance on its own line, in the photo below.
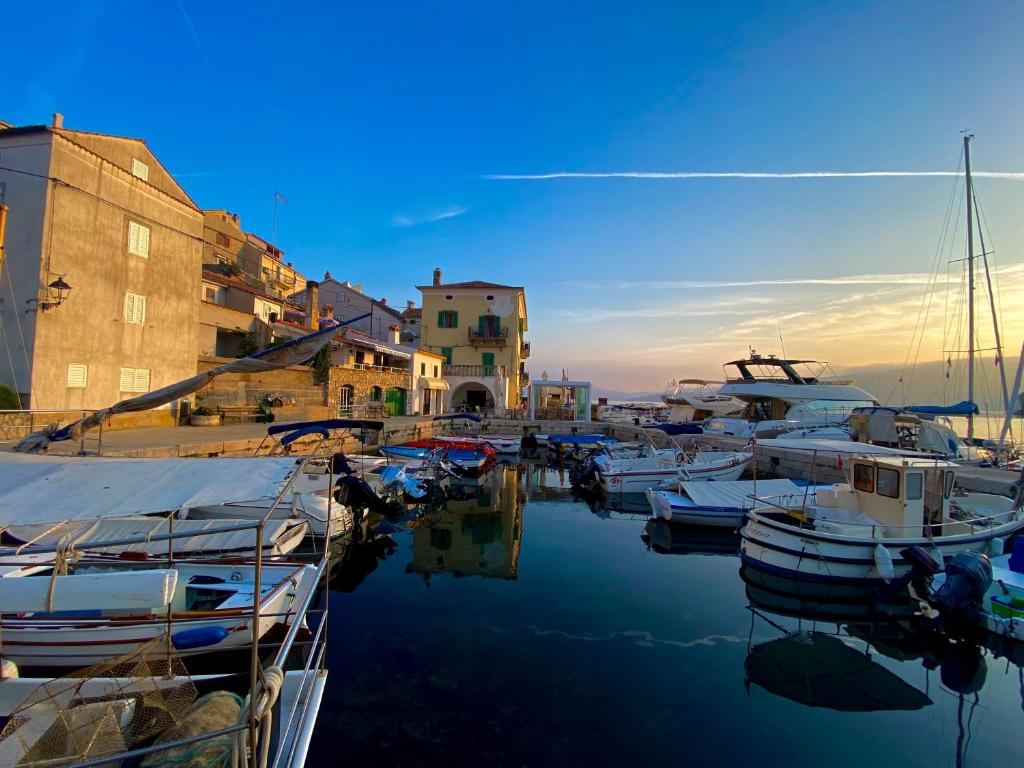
point(18, 424)
point(488, 336)
point(480, 371)
point(265, 683)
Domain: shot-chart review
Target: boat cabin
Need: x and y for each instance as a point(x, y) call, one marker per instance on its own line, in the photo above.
point(904, 495)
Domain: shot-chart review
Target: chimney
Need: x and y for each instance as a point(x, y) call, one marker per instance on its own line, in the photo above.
point(437, 276)
point(410, 304)
point(327, 311)
point(58, 120)
point(384, 300)
point(312, 304)
point(395, 335)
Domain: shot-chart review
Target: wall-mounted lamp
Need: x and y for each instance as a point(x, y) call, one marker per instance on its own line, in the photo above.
point(56, 294)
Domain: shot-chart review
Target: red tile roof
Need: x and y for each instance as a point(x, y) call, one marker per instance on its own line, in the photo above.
point(240, 285)
point(474, 284)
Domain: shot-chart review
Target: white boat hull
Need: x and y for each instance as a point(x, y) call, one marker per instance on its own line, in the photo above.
point(786, 550)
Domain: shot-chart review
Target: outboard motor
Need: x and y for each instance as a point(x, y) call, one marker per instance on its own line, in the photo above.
point(529, 443)
point(353, 492)
point(340, 465)
point(962, 596)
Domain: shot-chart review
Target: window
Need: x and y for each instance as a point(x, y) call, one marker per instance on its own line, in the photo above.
point(888, 483)
point(948, 484)
point(140, 169)
point(423, 369)
point(489, 326)
point(864, 478)
point(138, 239)
point(223, 240)
point(135, 379)
point(448, 318)
point(376, 394)
point(448, 297)
point(914, 485)
point(134, 310)
point(489, 298)
point(487, 362)
point(446, 353)
point(78, 375)
point(435, 371)
point(210, 294)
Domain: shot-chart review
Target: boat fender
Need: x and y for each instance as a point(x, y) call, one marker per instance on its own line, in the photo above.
point(883, 563)
point(198, 637)
point(995, 547)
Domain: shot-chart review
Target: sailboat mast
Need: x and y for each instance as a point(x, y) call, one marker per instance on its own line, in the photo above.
point(970, 283)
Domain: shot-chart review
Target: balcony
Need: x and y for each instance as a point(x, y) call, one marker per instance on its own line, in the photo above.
point(524, 350)
point(490, 337)
point(524, 378)
point(475, 371)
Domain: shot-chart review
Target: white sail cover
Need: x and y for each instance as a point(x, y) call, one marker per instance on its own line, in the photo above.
point(41, 489)
point(822, 445)
point(738, 494)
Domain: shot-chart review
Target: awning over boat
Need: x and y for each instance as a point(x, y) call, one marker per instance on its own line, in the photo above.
point(738, 494)
point(75, 533)
point(39, 489)
point(822, 445)
point(426, 382)
point(963, 408)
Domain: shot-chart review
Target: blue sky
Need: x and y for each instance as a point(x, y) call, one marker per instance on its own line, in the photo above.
point(380, 121)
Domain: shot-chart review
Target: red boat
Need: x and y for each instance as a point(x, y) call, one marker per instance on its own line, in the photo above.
point(469, 444)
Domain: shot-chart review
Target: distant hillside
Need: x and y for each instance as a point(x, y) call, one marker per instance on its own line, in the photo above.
point(614, 394)
point(927, 383)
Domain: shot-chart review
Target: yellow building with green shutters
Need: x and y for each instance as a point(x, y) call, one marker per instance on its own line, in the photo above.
point(479, 329)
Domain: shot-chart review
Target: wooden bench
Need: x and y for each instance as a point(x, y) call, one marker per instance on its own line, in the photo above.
point(238, 413)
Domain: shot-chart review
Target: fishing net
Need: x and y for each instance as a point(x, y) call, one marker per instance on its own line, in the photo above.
point(100, 710)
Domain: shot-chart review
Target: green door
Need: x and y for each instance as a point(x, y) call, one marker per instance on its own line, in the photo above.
point(394, 403)
point(487, 361)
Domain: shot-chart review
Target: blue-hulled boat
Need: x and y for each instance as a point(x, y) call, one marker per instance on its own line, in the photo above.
point(409, 455)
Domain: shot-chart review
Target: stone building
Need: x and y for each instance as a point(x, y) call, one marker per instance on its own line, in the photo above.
point(347, 300)
point(234, 318)
point(101, 215)
point(257, 262)
point(412, 321)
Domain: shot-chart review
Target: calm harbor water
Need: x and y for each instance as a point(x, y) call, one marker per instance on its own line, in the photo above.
point(518, 626)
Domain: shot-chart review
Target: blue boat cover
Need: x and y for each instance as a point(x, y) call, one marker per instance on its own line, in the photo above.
point(963, 408)
point(277, 429)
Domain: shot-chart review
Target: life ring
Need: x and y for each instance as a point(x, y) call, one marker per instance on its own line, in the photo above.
point(680, 458)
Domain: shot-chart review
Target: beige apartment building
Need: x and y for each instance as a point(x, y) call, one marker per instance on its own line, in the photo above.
point(104, 251)
point(478, 328)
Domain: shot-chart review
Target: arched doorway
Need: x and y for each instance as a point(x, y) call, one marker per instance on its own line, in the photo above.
point(471, 396)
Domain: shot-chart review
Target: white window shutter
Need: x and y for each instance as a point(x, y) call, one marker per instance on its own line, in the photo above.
point(138, 239)
point(140, 309)
point(140, 169)
point(141, 380)
point(129, 307)
point(127, 380)
point(78, 375)
point(134, 308)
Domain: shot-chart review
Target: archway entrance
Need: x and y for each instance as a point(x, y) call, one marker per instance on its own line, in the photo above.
point(471, 396)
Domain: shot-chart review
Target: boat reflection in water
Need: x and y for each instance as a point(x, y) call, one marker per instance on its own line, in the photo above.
point(838, 669)
point(475, 532)
point(667, 538)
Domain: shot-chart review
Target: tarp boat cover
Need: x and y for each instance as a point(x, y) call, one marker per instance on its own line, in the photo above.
point(278, 536)
point(963, 408)
point(738, 494)
point(41, 489)
point(845, 447)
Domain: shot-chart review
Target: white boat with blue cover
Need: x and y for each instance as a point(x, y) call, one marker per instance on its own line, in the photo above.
point(854, 533)
point(723, 504)
point(409, 455)
point(654, 466)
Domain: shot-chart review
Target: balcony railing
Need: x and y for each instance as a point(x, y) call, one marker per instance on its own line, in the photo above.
point(378, 368)
point(477, 371)
point(497, 337)
point(524, 350)
point(524, 378)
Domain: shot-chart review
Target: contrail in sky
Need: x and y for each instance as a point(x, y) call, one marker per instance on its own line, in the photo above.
point(1006, 175)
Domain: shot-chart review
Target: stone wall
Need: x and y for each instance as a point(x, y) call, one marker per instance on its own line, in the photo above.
point(293, 383)
point(362, 383)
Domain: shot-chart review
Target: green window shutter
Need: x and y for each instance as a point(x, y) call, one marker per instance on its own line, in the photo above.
point(455, 319)
point(441, 319)
point(446, 352)
point(482, 325)
point(487, 360)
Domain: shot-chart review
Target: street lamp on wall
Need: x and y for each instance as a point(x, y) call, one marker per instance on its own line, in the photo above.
point(56, 294)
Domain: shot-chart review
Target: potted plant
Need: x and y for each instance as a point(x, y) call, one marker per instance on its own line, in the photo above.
point(204, 416)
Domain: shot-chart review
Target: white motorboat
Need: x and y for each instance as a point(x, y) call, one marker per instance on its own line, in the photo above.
point(324, 515)
point(783, 395)
point(103, 609)
point(692, 400)
point(723, 504)
point(636, 475)
point(854, 533)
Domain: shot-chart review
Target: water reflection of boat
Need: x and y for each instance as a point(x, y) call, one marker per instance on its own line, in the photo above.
point(477, 536)
point(670, 539)
point(820, 670)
